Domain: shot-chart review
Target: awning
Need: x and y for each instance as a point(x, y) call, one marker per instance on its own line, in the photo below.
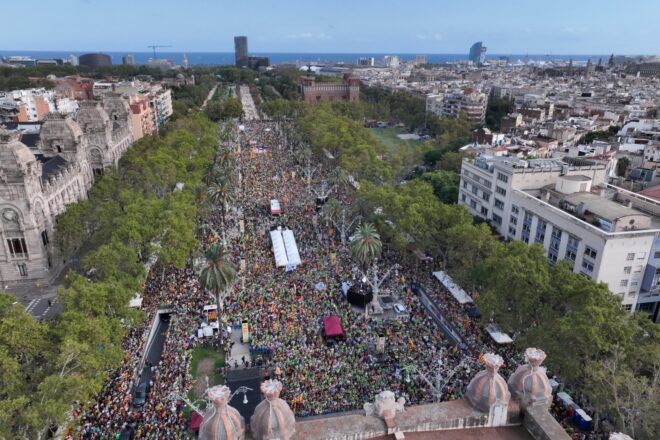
point(461, 296)
point(278, 248)
point(291, 247)
point(497, 335)
point(285, 248)
point(332, 326)
point(195, 420)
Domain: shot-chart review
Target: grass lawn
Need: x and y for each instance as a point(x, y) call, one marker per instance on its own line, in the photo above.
point(388, 136)
point(210, 360)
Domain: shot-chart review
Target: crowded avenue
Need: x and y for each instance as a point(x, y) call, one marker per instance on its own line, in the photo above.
point(284, 308)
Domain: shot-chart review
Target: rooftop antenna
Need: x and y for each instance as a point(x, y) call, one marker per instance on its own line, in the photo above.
point(154, 46)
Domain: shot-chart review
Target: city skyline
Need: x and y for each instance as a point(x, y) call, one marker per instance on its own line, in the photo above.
point(559, 28)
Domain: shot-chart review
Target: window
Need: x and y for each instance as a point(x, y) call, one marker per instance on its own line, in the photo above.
point(641, 255)
point(512, 231)
point(485, 196)
point(631, 256)
point(44, 238)
point(638, 269)
point(501, 191)
point(570, 255)
point(513, 220)
point(464, 184)
point(473, 204)
point(475, 190)
point(503, 177)
point(623, 283)
point(657, 255)
point(587, 266)
point(17, 247)
point(497, 219)
point(590, 252)
point(627, 307)
point(627, 270)
point(515, 209)
point(462, 197)
point(634, 283)
point(484, 211)
point(22, 269)
point(499, 204)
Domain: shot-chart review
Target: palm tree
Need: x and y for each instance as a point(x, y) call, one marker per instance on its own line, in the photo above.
point(338, 178)
point(217, 276)
point(365, 244)
point(366, 247)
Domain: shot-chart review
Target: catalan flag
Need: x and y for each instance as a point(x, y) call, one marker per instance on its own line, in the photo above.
point(298, 399)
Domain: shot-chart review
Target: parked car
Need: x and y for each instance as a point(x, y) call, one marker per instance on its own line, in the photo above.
point(399, 308)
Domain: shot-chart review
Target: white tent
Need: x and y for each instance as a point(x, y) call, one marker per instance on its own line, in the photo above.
point(461, 295)
point(497, 335)
point(278, 248)
point(291, 247)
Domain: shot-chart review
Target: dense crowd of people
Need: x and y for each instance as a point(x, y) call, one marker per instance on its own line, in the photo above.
point(284, 310)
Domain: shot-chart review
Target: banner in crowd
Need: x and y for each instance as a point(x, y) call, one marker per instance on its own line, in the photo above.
point(246, 332)
point(211, 313)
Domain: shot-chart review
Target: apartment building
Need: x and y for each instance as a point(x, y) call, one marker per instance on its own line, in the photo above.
point(451, 103)
point(604, 232)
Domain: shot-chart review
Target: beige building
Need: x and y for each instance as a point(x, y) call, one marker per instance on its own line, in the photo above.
point(604, 232)
point(35, 188)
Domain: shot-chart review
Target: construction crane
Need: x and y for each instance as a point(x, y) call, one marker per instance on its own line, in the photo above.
point(154, 46)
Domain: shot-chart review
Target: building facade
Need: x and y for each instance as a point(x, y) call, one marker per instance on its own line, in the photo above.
point(348, 90)
point(35, 187)
point(241, 51)
point(604, 232)
point(477, 53)
point(451, 103)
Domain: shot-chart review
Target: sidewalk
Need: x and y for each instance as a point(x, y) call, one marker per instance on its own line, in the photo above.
point(238, 351)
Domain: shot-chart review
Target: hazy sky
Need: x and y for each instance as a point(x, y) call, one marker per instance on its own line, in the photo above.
point(407, 26)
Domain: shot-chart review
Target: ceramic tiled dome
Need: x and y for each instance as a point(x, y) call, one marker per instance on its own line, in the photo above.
point(529, 383)
point(488, 388)
point(221, 422)
point(272, 418)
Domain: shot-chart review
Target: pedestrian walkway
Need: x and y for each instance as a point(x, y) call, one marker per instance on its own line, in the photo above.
point(249, 108)
point(239, 351)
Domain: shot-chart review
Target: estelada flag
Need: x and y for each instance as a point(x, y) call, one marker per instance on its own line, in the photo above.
point(481, 358)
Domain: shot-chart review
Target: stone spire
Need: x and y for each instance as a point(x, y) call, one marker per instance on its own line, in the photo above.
point(272, 418)
point(221, 422)
point(529, 383)
point(488, 391)
point(619, 436)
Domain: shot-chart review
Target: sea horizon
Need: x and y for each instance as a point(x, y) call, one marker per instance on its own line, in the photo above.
point(227, 58)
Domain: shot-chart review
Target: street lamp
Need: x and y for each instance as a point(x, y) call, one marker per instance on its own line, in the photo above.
point(435, 384)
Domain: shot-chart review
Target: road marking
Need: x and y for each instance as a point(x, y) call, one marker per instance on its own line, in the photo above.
point(32, 304)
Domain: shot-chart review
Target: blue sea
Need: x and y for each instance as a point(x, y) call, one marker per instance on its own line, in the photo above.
point(224, 58)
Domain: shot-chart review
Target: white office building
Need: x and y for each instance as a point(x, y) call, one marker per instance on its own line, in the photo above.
point(605, 232)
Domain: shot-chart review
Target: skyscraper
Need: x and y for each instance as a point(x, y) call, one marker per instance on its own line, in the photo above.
point(477, 53)
point(128, 60)
point(241, 51)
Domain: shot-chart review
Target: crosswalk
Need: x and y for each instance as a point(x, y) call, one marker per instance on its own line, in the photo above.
point(32, 305)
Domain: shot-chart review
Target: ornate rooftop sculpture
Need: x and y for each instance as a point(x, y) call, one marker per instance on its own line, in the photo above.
point(221, 422)
point(529, 383)
point(488, 391)
point(272, 418)
point(619, 436)
point(385, 406)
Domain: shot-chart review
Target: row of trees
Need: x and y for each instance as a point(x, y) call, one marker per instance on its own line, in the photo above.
point(131, 213)
point(614, 358)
